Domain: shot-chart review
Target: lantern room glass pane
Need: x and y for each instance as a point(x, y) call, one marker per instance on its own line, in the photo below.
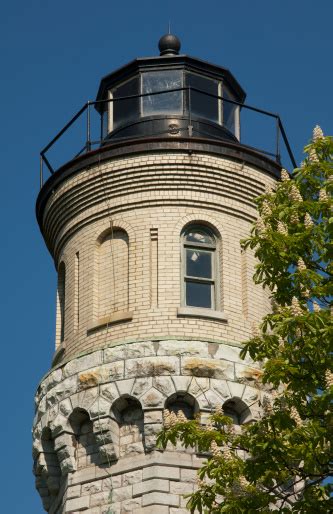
point(198, 294)
point(201, 104)
point(198, 263)
point(128, 109)
point(165, 102)
point(229, 111)
point(105, 122)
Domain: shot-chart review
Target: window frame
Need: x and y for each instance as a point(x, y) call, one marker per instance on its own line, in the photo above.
point(213, 250)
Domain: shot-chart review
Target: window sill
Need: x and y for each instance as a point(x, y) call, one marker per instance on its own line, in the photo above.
point(117, 317)
point(200, 312)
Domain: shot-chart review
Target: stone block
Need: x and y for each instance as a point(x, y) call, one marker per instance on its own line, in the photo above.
point(116, 370)
point(63, 440)
point(152, 366)
point(221, 388)
point(141, 385)
point(158, 498)
point(198, 386)
point(93, 377)
point(100, 407)
point(92, 360)
point(67, 452)
point(248, 374)
point(185, 348)
point(122, 493)
point(209, 368)
point(112, 482)
point(59, 424)
point(236, 389)
point(181, 383)
point(100, 498)
point(165, 385)
point(91, 487)
point(210, 400)
point(125, 386)
point(188, 475)
point(83, 475)
point(132, 477)
point(115, 508)
point(168, 472)
point(107, 453)
point(228, 353)
point(153, 509)
point(154, 416)
point(54, 378)
point(181, 488)
point(152, 398)
point(148, 486)
point(41, 407)
point(250, 395)
point(128, 506)
point(129, 351)
point(77, 504)
point(65, 407)
point(61, 391)
point(52, 412)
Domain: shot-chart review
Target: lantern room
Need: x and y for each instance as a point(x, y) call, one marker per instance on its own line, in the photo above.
point(170, 95)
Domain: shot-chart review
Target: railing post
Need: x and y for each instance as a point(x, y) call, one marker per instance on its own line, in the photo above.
point(277, 150)
point(88, 144)
point(41, 178)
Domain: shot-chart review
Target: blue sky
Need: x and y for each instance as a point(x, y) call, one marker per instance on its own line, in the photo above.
point(53, 55)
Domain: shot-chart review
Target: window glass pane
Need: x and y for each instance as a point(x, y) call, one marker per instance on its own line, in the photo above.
point(229, 111)
point(198, 263)
point(198, 294)
point(126, 110)
point(202, 105)
point(165, 102)
point(200, 236)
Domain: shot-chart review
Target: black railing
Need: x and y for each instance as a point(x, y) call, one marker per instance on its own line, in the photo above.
point(90, 142)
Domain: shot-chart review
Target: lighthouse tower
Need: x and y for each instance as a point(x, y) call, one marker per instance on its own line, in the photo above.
point(155, 294)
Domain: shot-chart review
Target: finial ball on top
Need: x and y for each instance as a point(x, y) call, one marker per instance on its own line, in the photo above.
point(169, 44)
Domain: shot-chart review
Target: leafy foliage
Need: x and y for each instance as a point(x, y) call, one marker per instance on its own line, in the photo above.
point(284, 461)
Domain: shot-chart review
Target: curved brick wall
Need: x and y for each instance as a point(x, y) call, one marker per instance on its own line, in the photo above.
point(152, 198)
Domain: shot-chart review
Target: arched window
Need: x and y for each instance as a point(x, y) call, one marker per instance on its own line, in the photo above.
point(113, 273)
point(199, 267)
point(61, 297)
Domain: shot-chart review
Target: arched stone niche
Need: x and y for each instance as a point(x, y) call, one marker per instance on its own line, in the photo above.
point(182, 402)
point(237, 410)
point(86, 447)
point(127, 426)
point(47, 470)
